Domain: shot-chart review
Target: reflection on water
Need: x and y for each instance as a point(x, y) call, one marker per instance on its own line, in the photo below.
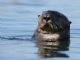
point(52, 48)
point(50, 53)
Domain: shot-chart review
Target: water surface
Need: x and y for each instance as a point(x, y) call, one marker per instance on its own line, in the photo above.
point(18, 20)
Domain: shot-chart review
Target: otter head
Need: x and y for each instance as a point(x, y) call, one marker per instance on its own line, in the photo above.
point(52, 22)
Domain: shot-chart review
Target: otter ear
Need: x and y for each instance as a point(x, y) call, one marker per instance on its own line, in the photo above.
point(70, 22)
point(38, 15)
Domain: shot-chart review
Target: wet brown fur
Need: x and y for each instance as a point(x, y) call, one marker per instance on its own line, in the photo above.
point(60, 19)
point(53, 22)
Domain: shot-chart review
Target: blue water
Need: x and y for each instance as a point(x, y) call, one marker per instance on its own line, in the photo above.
point(18, 21)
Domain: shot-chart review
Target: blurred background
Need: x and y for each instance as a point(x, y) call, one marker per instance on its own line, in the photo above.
point(18, 21)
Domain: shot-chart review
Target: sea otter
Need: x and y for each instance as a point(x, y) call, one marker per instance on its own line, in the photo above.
point(53, 30)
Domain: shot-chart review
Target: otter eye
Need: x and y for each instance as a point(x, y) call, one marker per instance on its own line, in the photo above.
point(48, 18)
point(44, 18)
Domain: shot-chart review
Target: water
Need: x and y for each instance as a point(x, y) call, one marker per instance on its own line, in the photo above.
point(18, 20)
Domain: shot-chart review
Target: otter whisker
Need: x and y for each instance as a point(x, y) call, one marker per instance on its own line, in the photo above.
point(51, 25)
